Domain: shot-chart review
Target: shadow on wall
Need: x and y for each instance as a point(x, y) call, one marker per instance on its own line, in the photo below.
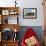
point(37, 29)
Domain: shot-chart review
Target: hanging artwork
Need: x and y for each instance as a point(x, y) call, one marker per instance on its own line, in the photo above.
point(30, 13)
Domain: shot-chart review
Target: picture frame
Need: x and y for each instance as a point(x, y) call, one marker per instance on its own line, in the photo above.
point(5, 12)
point(30, 13)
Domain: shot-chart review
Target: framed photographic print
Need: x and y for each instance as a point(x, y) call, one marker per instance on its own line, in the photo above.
point(30, 13)
point(5, 12)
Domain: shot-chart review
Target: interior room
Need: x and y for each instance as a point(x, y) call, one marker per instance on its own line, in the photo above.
point(22, 23)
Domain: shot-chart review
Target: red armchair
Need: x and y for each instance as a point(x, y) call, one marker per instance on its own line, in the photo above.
point(29, 36)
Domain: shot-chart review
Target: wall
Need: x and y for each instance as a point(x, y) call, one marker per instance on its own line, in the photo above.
point(27, 4)
point(32, 4)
